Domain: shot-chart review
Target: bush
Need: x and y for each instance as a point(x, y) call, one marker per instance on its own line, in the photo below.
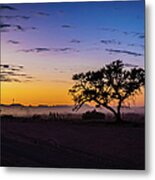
point(92, 115)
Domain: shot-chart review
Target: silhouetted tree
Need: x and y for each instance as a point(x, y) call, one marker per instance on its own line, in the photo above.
point(114, 83)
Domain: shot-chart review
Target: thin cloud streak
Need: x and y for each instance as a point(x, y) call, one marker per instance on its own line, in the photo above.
point(124, 52)
point(66, 49)
point(36, 50)
point(112, 41)
point(75, 41)
point(67, 26)
point(14, 27)
point(13, 73)
point(13, 42)
point(109, 29)
point(6, 7)
point(15, 17)
point(43, 49)
point(43, 14)
point(139, 35)
point(136, 45)
point(8, 66)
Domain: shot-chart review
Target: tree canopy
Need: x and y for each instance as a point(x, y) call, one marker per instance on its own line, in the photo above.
point(114, 83)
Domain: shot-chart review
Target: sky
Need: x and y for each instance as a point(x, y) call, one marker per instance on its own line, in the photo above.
point(43, 45)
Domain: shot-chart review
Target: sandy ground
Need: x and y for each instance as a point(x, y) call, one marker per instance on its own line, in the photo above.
point(71, 145)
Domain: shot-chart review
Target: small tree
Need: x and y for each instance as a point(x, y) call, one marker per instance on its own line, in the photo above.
point(112, 84)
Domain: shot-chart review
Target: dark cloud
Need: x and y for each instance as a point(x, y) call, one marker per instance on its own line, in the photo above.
point(4, 78)
point(13, 73)
point(66, 26)
point(8, 27)
point(29, 77)
point(124, 52)
point(23, 17)
point(62, 49)
point(15, 69)
point(34, 28)
point(13, 42)
point(5, 25)
point(18, 27)
point(31, 28)
point(136, 34)
point(42, 49)
point(132, 44)
point(43, 14)
point(130, 65)
point(5, 7)
point(141, 36)
point(14, 27)
point(136, 45)
point(126, 33)
point(15, 17)
point(4, 66)
point(7, 66)
point(75, 41)
point(37, 50)
point(66, 49)
point(109, 29)
point(110, 42)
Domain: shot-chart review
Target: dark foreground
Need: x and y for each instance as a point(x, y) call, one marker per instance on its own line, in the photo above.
point(45, 143)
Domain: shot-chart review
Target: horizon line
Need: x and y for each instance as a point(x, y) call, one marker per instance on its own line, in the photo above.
point(58, 105)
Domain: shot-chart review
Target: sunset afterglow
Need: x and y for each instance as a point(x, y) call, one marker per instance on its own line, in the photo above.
point(43, 45)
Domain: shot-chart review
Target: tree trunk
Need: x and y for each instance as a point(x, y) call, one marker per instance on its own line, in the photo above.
point(117, 113)
point(118, 116)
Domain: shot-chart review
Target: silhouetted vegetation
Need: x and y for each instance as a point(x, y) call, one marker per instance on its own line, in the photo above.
point(112, 84)
point(92, 115)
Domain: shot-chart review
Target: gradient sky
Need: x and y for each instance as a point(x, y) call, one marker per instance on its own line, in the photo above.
point(43, 45)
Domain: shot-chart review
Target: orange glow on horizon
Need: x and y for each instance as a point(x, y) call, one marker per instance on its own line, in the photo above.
point(35, 93)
